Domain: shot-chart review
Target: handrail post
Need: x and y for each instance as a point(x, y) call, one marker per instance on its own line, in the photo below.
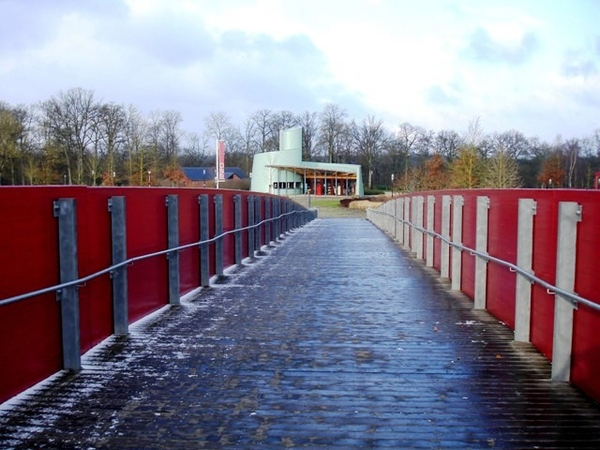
point(260, 229)
point(400, 224)
point(277, 221)
point(481, 241)
point(527, 211)
point(237, 202)
point(282, 220)
point(65, 212)
point(204, 236)
point(430, 227)
point(173, 242)
point(251, 223)
point(418, 221)
point(406, 227)
point(445, 247)
point(294, 216)
point(569, 214)
point(218, 200)
point(268, 224)
point(457, 213)
point(116, 207)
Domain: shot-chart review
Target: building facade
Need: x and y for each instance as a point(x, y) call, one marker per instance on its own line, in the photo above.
point(284, 173)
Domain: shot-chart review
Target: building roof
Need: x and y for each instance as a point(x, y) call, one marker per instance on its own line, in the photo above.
point(208, 173)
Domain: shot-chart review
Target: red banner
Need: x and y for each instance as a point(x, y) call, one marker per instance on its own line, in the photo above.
point(221, 160)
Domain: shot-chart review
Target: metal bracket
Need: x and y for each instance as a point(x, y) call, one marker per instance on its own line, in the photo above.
point(55, 208)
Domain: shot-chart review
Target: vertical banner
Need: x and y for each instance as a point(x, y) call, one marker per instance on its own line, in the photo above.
point(220, 166)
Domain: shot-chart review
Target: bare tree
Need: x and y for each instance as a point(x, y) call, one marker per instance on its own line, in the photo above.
point(447, 143)
point(10, 129)
point(249, 143)
point(195, 151)
point(136, 146)
point(309, 123)
point(407, 138)
point(217, 124)
point(111, 125)
point(266, 140)
point(332, 126)
point(369, 138)
point(71, 118)
point(512, 142)
point(474, 134)
point(394, 156)
point(28, 145)
point(282, 121)
point(572, 149)
point(171, 135)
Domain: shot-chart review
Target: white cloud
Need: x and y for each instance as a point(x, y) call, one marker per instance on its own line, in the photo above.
point(435, 63)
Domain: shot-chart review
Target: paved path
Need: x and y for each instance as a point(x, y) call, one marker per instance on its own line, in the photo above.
point(334, 340)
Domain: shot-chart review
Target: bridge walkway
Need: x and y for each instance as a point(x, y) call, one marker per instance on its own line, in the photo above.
point(336, 339)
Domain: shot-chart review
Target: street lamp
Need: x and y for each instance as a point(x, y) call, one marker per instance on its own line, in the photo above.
point(392, 185)
point(149, 172)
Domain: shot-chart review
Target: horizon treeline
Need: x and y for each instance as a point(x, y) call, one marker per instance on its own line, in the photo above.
point(73, 138)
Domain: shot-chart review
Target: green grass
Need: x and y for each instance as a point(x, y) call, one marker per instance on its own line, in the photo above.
point(324, 202)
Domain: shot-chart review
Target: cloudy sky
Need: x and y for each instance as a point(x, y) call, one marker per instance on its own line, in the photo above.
point(528, 65)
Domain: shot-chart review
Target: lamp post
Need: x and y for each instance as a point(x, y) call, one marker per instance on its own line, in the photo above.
point(392, 185)
point(149, 173)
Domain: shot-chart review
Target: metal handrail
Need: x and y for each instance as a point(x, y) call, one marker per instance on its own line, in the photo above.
point(570, 296)
point(129, 261)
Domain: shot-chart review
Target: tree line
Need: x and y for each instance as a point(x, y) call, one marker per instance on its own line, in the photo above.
point(75, 138)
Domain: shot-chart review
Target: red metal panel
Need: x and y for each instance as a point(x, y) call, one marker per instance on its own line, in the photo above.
point(94, 254)
point(586, 337)
point(502, 243)
point(189, 232)
point(29, 330)
point(585, 362)
point(146, 233)
point(544, 266)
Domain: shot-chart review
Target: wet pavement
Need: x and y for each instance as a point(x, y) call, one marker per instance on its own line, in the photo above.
point(335, 339)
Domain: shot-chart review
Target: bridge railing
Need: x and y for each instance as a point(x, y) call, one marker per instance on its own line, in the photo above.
point(78, 264)
point(527, 256)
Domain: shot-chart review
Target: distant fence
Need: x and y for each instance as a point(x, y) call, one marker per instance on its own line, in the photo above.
point(78, 264)
point(527, 256)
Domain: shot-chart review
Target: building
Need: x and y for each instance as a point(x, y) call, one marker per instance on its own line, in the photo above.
point(284, 173)
point(205, 176)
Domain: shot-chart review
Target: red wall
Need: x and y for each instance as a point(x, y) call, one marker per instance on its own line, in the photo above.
point(501, 282)
point(30, 332)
